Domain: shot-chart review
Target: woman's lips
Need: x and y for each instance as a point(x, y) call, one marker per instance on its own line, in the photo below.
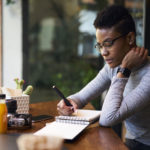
point(109, 61)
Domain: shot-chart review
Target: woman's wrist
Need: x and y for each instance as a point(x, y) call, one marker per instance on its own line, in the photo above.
point(126, 66)
point(123, 72)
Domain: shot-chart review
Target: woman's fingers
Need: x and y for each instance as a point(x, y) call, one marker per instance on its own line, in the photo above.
point(137, 50)
point(145, 56)
point(66, 110)
point(75, 106)
point(135, 57)
point(141, 51)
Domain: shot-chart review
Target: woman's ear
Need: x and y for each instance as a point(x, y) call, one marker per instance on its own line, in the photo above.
point(131, 38)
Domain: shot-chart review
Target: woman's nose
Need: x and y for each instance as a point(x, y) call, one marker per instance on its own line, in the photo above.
point(104, 51)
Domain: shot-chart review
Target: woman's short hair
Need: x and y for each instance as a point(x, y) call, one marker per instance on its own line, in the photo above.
point(115, 16)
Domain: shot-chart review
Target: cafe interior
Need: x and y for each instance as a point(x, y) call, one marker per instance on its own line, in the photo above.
point(51, 42)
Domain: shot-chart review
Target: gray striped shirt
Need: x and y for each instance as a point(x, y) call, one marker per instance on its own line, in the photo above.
point(128, 99)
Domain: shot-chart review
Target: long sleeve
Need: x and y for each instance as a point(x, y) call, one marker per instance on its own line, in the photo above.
point(118, 107)
point(94, 88)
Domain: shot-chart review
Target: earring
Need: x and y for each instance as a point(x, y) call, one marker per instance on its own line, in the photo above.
point(131, 42)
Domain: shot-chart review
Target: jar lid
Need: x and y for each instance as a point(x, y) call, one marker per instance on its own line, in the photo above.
point(2, 96)
point(11, 105)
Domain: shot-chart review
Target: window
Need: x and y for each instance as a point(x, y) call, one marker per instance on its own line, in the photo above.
point(61, 49)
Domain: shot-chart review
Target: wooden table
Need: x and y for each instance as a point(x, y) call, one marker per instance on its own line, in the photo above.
point(92, 138)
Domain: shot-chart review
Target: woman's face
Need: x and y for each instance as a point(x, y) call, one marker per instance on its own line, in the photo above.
point(112, 54)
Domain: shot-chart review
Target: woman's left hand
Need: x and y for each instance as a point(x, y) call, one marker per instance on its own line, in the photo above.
point(134, 58)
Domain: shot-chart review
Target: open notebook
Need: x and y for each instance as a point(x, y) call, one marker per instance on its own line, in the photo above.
point(68, 127)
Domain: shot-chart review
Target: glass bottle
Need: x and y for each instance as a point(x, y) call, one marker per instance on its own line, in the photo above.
point(3, 114)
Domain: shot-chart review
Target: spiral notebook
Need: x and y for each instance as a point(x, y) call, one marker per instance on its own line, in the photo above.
point(68, 127)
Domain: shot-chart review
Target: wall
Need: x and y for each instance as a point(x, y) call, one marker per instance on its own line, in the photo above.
point(12, 42)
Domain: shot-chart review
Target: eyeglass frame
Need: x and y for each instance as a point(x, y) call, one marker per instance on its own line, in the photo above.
point(99, 46)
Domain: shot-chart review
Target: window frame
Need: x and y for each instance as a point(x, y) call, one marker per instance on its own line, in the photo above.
point(0, 42)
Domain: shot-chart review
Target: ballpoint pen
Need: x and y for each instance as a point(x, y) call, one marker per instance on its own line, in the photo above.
point(62, 96)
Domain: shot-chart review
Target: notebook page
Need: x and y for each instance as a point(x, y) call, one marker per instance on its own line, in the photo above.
point(64, 130)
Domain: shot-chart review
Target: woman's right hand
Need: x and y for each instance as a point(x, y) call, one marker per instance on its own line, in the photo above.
point(63, 109)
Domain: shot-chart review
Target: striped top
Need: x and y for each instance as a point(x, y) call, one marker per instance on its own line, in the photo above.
point(128, 99)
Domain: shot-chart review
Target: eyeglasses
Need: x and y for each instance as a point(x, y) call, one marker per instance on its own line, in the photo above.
point(107, 43)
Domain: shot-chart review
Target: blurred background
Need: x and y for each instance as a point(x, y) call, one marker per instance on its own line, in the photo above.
point(51, 42)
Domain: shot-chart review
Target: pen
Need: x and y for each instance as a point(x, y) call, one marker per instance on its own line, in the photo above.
point(62, 96)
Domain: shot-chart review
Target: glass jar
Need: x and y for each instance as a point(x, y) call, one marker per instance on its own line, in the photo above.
point(3, 114)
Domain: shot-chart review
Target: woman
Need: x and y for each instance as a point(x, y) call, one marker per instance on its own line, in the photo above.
point(126, 74)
